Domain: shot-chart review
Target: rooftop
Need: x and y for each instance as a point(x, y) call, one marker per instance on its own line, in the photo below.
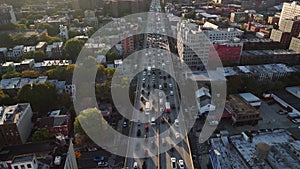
point(244, 152)
point(240, 106)
point(11, 114)
point(289, 98)
point(23, 158)
point(17, 83)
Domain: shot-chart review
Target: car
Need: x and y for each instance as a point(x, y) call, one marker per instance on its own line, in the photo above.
point(171, 93)
point(144, 73)
point(213, 123)
point(102, 164)
point(125, 124)
point(177, 135)
point(176, 122)
point(173, 163)
point(139, 123)
point(181, 164)
point(170, 85)
point(160, 86)
point(92, 149)
point(98, 158)
point(296, 121)
point(135, 165)
point(138, 133)
point(144, 79)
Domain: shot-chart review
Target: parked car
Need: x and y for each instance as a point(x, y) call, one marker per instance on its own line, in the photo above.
point(181, 164)
point(98, 158)
point(102, 164)
point(173, 163)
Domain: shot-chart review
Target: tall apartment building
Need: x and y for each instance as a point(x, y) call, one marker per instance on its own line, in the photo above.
point(189, 37)
point(295, 44)
point(7, 14)
point(15, 124)
point(223, 34)
point(289, 11)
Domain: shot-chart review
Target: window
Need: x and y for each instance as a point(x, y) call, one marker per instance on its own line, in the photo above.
point(22, 166)
point(29, 166)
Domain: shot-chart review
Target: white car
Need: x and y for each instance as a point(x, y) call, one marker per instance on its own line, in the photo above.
point(170, 85)
point(181, 164)
point(176, 122)
point(160, 87)
point(135, 165)
point(171, 93)
point(173, 163)
point(177, 135)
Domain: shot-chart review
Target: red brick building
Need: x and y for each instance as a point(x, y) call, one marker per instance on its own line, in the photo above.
point(228, 52)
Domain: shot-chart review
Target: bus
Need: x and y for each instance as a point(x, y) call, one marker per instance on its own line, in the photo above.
point(147, 108)
point(168, 109)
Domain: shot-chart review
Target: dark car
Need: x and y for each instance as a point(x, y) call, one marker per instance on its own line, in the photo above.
point(98, 159)
point(138, 133)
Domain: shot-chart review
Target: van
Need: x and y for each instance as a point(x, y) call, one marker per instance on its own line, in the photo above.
point(135, 165)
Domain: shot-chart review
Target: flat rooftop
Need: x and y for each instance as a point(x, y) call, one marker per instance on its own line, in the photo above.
point(238, 152)
point(23, 158)
point(240, 106)
point(11, 114)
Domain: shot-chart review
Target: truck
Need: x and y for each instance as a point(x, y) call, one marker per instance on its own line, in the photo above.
point(168, 109)
point(147, 108)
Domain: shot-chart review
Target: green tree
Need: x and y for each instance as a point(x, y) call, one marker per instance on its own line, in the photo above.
point(73, 48)
point(77, 127)
point(11, 74)
point(58, 73)
point(42, 97)
point(41, 135)
point(30, 74)
point(111, 56)
point(38, 55)
point(4, 98)
point(5, 40)
point(73, 33)
point(52, 31)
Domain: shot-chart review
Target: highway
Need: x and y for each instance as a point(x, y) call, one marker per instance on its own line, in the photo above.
point(154, 151)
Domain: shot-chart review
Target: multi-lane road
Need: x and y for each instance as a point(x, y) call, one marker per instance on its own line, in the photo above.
point(166, 137)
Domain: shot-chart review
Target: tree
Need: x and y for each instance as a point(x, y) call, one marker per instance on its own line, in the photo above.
point(4, 98)
point(52, 31)
point(58, 73)
point(11, 74)
point(77, 127)
point(64, 100)
point(5, 40)
point(30, 74)
point(38, 55)
point(73, 48)
point(111, 56)
point(42, 97)
point(41, 135)
point(73, 33)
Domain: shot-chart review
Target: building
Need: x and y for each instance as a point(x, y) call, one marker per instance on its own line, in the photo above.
point(63, 32)
point(268, 149)
point(60, 155)
point(280, 36)
point(16, 52)
point(58, 124)
point(17, 83)
point(242, 112)
point(289, 11)
point(272, 20)
point(288, 98)
point(239, 17)
point(251, 99)
point(228, 52)
point(267, 72)
point(7, 14)
point(223, 34)
point(294, 45)
point(261, 44)
point(270, 56)
point(15, 124)
point(48, 64)
point(27, 161)
point(189, 37)
point(55, 50)
point(128, 45)
point(291, 26)
point(203, 97)
point(41, 46)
